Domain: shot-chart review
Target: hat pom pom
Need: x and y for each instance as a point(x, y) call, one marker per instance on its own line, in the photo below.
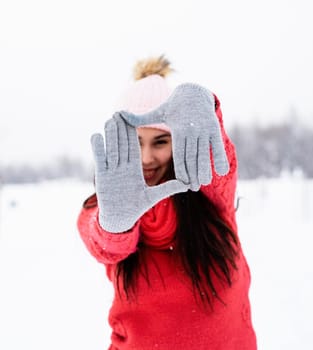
point(150, 66)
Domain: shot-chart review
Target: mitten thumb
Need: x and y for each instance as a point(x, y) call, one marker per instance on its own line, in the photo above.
point(153, 117)
point(166, 189)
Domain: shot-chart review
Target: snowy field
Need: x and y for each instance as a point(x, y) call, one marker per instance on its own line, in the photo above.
point(53, 295)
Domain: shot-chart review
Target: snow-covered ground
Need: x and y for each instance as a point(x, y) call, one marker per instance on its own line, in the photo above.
point(54, 295)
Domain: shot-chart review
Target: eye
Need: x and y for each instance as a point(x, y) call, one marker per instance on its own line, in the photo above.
point(160, 142)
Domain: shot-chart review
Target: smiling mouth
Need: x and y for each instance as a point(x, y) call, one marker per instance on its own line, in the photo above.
point(149, 173)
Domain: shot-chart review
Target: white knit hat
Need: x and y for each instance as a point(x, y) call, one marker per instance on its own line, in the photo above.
point(149, 90)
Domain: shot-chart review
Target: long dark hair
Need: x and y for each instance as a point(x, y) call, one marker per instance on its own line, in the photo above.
point(207, 245)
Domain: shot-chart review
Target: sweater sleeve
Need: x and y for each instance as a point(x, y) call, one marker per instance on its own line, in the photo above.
point(106, 247)
point(221, 191)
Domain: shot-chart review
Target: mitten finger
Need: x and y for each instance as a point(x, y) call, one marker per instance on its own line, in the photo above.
point(204, 161)
point(220, 160)
point(98, 151)
point(191, 160)
point(111, 141)
point(179, 157)
point(122, 138)
point(134, 154)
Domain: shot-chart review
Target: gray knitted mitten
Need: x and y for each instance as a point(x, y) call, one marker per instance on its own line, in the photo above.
point(190, 114)
point(122, 193)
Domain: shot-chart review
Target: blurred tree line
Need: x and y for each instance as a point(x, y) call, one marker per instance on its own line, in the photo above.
point(270, 151)
point(262, 152)
point(60, 168)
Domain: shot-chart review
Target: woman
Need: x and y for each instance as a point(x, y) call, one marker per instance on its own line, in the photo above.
point(163, 223)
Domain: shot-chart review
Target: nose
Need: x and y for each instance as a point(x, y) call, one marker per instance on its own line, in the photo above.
point(146, 155)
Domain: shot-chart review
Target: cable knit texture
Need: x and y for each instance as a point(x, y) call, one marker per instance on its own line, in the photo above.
point(166, 315)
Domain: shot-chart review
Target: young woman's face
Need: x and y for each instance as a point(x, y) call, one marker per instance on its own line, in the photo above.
point(156, 154)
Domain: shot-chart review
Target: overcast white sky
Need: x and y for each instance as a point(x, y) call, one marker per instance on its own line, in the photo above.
point(64, 63)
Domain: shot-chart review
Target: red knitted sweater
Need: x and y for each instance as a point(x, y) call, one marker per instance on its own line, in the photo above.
point(165, 314)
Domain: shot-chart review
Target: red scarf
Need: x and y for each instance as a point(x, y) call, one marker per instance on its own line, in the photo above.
point(158, 225)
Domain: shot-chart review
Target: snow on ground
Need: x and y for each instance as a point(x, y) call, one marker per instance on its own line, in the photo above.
point(54, 295)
